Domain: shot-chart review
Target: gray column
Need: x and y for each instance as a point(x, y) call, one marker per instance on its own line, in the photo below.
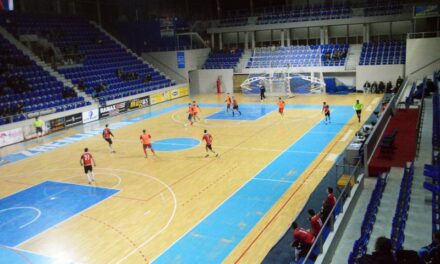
point(288, 37)
point(98, 12)
point(282, 37)
point(212, 41)
point(366, 32)
point(253, 40)
point(246, 40)
point(220, 41)
point(321, 35)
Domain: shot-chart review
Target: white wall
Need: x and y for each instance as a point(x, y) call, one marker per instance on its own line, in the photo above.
point(205, 81)
point(194, 59)
point(378, 73)
point(420, 53)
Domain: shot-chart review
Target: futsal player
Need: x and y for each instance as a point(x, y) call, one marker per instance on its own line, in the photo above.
point(326, 111)
point(358, 108)
point(228, 102)
point(190, 114)
point(87, 161)
point(196, 111)
point(107, 136)
point(208, 139)
point(281, 105)
point(235, 106)
point(146, 142)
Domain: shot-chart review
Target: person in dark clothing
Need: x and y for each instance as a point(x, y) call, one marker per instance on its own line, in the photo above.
point(262, 91)
point(389, 87)
point(382, 254)
point(326, 208)
point(431, 252)
point(381, 87)
point(374, 88)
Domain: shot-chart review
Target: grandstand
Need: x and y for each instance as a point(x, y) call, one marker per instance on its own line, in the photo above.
point(281, 132)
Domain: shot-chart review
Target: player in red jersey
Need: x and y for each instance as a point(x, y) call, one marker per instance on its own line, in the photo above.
point(106, 135)
point(303, 240)
point(281, 105)
point(331, 198)
point(196, 111)
point(228, 102)
point(146, 142)
point(326, 111)
point(87, 161)
point(208, 139)
point(315, 222)
point(235, 106)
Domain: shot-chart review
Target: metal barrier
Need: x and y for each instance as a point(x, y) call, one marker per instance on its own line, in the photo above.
point(345, 193)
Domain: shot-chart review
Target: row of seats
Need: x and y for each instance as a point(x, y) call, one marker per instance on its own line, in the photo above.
point(383, 53)
point(223, 60)
point(305, 15)
point(360, 245)
point(402, 208)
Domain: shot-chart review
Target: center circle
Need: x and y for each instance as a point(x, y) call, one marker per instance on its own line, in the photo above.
point(175, 144)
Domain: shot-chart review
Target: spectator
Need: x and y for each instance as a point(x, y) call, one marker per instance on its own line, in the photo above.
point(315, 222)
point(431, 253)
point(389, 87)
point(81, 85)
point(331, 198)
point(382, 253)
point(381, 87)
point(367, 87)
point(374, 88)
point(399, 81)
point(303, 240)
point(326, 208)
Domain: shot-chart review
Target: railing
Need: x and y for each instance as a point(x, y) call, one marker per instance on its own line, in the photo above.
point(432, 34)
point(345, 193)
point(420, 120)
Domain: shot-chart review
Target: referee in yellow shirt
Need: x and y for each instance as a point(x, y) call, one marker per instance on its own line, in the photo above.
point(358, 108)
point(38, 124)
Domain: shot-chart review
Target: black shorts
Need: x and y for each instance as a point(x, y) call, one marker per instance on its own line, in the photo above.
point(235, 107)
point(109, 140)
point(88, 168)
point(358, 112)
point(190, 117)
point(39, 129)
point(327, 114)
point(209, 147)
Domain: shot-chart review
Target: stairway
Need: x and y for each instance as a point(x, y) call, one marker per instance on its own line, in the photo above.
point(44, 65)
point(242, 63)
point(353, 56)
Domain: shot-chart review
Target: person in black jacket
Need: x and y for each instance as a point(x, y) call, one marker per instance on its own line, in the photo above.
point(382, 253)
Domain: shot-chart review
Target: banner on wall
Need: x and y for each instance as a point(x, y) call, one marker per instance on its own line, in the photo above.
point(139, 102)
point(179, 92)
point(12, 136)
point(180, 59)
point(57, 124)
point(73, 120)
point(112, 110)
point(89, 116)
point(426, 10)
point(160, 97)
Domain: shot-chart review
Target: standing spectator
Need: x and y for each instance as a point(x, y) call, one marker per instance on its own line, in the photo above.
point(331, 198)
point(431, 253)
point(315, 222)
point(382, 253)
point(325, 210)
point(303, 241)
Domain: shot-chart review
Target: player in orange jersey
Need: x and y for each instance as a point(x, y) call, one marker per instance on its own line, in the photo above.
point(196, 111)
point(235, 106)
point(326, 111)
point(106, 135)
point(281, 105)
point(228, 102)
point(146, 142)
point(87, 161)
point(208, 139)
point(190, 114)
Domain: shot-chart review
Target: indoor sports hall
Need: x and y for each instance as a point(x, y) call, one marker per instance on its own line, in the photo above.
point(160, 132)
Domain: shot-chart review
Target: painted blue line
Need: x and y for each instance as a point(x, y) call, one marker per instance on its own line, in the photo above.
point(17, 256)
point(214, 238)
point(27, 213)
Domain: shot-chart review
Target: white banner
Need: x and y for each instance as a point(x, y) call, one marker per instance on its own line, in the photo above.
point(90, 116)
point(11, 136)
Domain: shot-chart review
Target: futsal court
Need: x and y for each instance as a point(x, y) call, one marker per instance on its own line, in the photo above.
point(177, 206)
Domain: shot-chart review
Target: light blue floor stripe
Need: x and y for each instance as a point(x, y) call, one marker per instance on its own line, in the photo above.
point(212, 240)
point(17, 256)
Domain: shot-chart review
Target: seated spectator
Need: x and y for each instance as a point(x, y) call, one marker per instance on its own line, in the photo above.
point(389, 87)
point(81, 85)
point(381, 87)
point(374, 88)
point(331, 198)
point(399, 81)
point(303, 241)
point(315, 222)
point(431, 252)
point(382, 253)
point(367, 87)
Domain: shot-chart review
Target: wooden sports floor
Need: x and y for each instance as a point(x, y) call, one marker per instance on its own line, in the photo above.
point(178, 205)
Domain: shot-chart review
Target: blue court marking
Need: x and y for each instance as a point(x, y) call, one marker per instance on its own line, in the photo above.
point(175, 144)
point(27, 213)
point(248, 112)
point(214, 238)
point(17, 256)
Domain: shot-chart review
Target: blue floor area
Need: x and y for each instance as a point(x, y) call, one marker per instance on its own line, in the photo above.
point(175, 144)
point(248, 112)
point(16, 256)
point(27, 213)
point(213, 239)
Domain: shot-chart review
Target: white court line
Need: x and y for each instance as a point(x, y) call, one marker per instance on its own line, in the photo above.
point(231, 195)
point(147, 212)
point(96, 173)
point(271, 180)
point(25, 207)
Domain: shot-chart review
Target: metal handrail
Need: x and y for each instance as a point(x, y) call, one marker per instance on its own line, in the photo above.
point(430, 34)
point(318, 238)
